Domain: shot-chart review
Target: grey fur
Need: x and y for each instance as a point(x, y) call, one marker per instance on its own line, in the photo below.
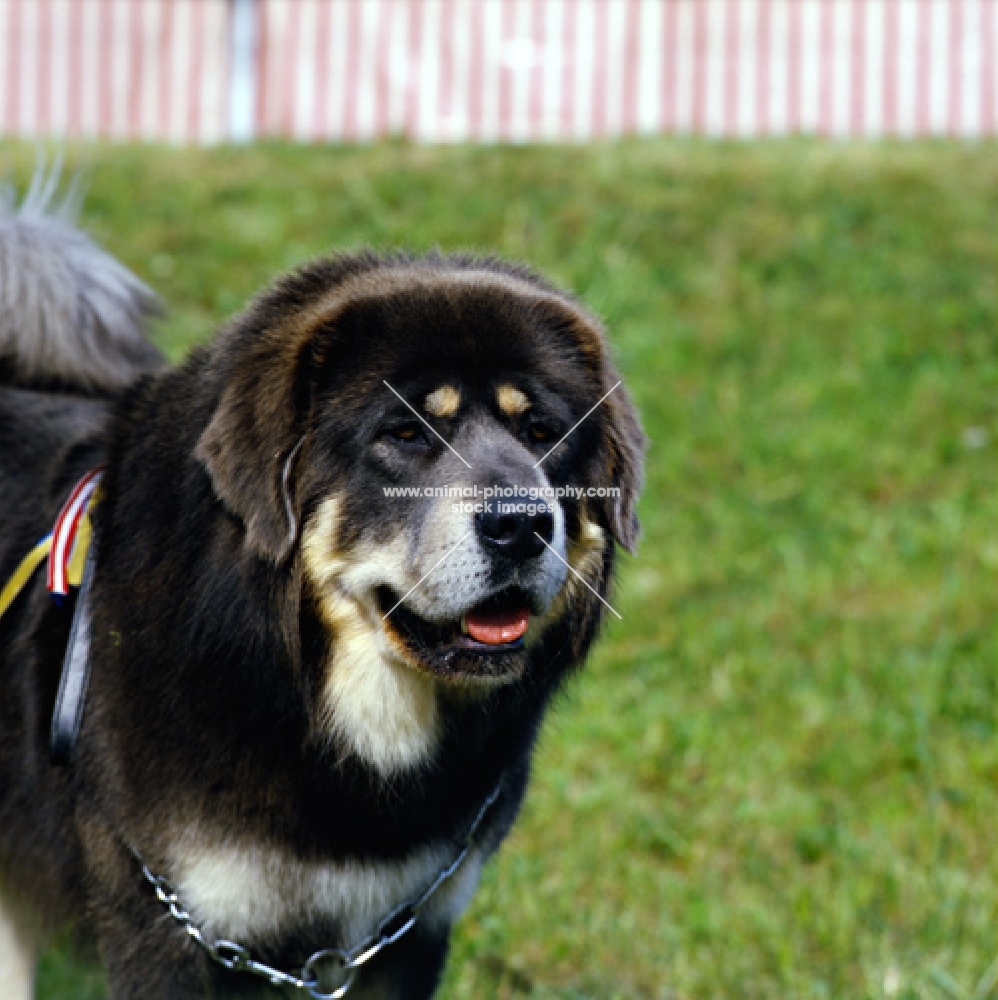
point(69, 312)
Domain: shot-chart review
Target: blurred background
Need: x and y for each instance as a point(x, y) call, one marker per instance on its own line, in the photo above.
point(778, 775)
point(206, 71)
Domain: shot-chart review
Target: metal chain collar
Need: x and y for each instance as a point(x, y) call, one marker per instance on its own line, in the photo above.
point(329, 973)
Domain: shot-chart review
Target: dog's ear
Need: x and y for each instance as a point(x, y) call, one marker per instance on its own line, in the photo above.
point(618, 455)
point(252, 441)
point(622, 450)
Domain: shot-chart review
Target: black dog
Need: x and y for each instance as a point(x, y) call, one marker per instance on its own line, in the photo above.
point(311, 703)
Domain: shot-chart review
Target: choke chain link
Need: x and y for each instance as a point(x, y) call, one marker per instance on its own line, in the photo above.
point(343, 963)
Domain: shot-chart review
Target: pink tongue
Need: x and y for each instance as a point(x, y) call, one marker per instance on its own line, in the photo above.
point(497, 627)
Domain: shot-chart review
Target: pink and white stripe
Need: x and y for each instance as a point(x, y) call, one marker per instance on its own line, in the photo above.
point(509, 70)
point(64, 532)
point(117, 69)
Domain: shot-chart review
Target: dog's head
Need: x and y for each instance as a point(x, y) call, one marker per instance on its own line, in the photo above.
point(442, 447)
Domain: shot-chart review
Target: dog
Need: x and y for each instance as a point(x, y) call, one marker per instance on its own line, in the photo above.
point(343, 557)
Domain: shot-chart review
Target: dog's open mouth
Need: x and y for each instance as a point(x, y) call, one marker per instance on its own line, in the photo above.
point(472, 644)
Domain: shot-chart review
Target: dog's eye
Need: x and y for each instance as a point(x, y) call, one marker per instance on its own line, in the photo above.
point(408, 433)
point(539, 433)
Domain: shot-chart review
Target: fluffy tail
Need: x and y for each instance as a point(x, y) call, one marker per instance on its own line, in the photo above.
point(70, 314)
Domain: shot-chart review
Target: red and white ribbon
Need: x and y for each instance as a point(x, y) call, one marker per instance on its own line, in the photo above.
point(64, 532)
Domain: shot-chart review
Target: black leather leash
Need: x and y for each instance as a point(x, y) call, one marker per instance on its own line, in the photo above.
point(67, 716)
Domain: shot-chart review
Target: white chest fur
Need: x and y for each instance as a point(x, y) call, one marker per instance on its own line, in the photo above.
point(17, 954)
point(247, 893)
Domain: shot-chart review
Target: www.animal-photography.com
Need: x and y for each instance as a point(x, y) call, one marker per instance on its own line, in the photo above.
point(498, 499)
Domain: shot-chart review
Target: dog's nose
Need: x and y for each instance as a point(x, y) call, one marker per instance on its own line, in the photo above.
point(515, 535)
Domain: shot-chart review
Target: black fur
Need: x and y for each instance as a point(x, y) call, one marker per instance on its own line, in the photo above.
point(209, 647)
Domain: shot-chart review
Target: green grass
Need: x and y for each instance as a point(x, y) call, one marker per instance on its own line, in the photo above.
point(778, 776)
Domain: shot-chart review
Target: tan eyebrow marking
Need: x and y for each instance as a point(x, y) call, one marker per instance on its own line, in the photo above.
point(511, 401)
point(443, 402)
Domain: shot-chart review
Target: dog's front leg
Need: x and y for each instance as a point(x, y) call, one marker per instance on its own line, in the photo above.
point(146, 954)
point(149, 960)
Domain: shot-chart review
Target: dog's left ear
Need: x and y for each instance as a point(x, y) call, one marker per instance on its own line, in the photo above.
point(251, 444)
point(618, 456)
point(622, 460)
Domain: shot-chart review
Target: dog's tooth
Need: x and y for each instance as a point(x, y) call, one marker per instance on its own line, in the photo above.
point(464, 624)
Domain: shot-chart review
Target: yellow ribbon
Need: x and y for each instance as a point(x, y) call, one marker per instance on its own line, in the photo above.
point(22, 574)
point(81, 544)
point(74, 567)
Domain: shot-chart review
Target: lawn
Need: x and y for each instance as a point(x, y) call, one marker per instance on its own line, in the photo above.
point(778, 776)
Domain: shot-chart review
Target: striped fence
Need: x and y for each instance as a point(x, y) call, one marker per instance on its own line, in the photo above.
point(486, 70)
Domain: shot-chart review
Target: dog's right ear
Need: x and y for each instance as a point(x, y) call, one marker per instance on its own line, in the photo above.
point(251, 443)
point(623, 447)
